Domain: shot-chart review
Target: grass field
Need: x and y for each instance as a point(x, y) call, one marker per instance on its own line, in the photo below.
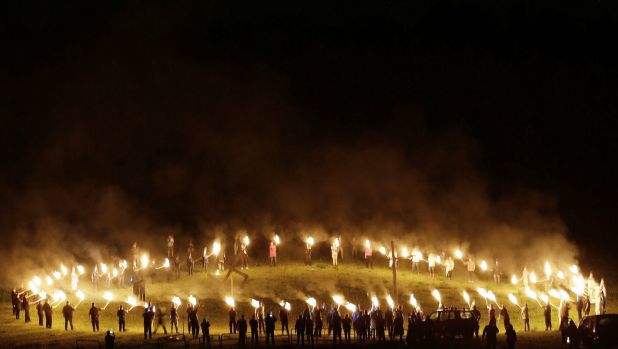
point(292, 282)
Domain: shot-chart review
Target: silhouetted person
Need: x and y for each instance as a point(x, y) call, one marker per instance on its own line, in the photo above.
point(504, 315)
point(398, 325)
point(255, 333)
point(47, 309)
point(93, 313)
point(16, 306)
point(347, 327)
point(309, 329)
point(270, 327)
point(39, 311)
point(300, 330)
point(232, 315)
point(283, 316)
point(122, 316)
point(573, 335)
point(242, 330)
point(206, 332)
point(511, 337)
point(336, 325)
point(388, 319)
point(110, 337)
point(547, 315)
point(160, 316)
point(476, 314)
point(25, 306)
point(15, 303)
point(148, 316)
point(173, 318)
point(489, 334)
point(67, 312)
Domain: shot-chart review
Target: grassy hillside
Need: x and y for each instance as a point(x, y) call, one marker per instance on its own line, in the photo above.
point(292, 282)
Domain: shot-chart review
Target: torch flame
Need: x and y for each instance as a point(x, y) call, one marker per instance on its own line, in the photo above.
point(57, 275)
point(413, 301)
point(193, 301)
point(491, 296)
point(531, 294)
point(310, 241)
point(176, 301)
point(374, 301)
point(277, 239)
point(255, 303)
point(544, 298)
point(312, 302)
point(458, 254)
point(351, 307)
point(483, 265)
point(513, 299)
point(367, 243)
point(404, 252)
point(216, 248)
point(565, 296)
point(64, 269)
point(245, 240)
point(382, 250)
point(336, 243)
point(230, 301)
point(103, 268)
point(436, 294)
point(574, 269)
point(390, 302)
point(482, 292)
point(49, 280)
point(466, 297)
point(80, 269)
point(338, 299)
point(131, 301)
point(144, 260)
point(80, 295)
point(533, 278)
point(108, 296)
point(547, 269)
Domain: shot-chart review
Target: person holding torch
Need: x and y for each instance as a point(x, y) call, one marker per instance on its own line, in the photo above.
point(93, 313)
point(272, 254)
point(368, 255)
point(308, 245)
point(170, 246)
point(334, 251)
point(67, 312)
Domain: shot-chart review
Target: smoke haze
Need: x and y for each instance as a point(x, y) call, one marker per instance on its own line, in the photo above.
point(122, 128)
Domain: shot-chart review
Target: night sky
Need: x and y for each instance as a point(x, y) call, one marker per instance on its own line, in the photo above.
point(425, 115)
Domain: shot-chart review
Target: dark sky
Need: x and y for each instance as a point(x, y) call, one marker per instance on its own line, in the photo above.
point(188, 115)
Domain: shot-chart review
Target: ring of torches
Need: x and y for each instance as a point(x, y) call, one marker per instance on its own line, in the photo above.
point(575, 282)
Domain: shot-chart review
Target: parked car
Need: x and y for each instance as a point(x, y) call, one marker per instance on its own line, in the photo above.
point(599, 331)
point(450, 323)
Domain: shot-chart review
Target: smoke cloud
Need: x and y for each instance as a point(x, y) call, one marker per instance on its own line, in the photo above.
point(142, 132)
